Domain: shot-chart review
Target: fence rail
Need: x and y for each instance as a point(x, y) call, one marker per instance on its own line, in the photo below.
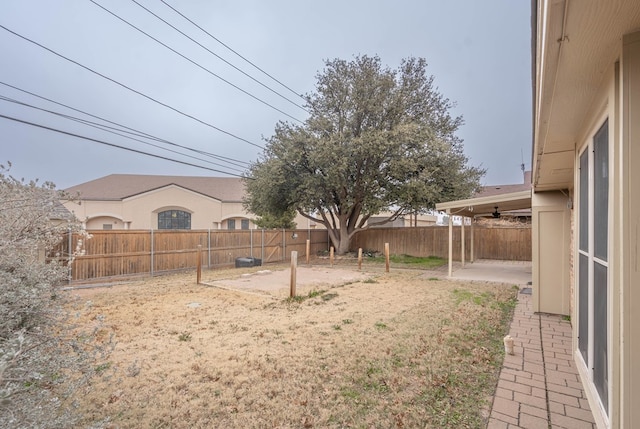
point(112, 254)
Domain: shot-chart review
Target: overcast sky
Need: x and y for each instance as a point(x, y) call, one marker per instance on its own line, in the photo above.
point(478, 52)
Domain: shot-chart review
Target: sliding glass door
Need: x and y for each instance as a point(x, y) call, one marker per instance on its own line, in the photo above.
point(593, 261)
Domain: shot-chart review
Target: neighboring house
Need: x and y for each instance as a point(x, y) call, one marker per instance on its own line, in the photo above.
point(406, 221)
point(130, 201)
point(60, 214)
point(586, 192)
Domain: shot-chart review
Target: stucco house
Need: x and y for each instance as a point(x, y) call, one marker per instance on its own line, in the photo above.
point(585, 197)
point(131, 201)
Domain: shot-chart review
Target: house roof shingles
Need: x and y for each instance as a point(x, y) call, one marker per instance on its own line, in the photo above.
point(492, 190)
point(117, 187)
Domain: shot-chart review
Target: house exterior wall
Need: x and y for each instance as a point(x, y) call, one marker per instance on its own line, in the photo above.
point(588, 75)
point(626, 233)
point(232, 210)
point(93, 214)
point(141, 211)
point(603, 109)
point(618, 102)
point(551, 252)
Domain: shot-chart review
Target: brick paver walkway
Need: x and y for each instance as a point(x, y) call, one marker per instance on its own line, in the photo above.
point(539, 385)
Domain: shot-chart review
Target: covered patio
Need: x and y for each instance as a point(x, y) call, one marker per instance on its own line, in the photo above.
point(484, 205)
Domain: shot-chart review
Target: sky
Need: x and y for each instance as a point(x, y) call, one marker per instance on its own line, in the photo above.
point(478, 52)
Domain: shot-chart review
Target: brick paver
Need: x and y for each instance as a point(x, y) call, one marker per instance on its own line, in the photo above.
point(539, 385)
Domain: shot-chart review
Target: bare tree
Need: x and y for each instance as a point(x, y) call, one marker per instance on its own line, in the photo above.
point(44, 356)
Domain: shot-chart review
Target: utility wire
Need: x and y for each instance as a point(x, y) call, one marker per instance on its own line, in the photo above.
point(195, 63)
point(229, 48)
point(133, 131)
point(33, 124)
point(219, 57)
point(111, 130)
point(129, 88)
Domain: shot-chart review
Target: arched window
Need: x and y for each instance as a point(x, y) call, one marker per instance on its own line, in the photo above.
point(174, 219)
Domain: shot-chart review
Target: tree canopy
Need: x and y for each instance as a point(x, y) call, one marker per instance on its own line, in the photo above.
point(378, 140)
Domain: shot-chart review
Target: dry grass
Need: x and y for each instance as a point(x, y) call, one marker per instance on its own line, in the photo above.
point(397, 350)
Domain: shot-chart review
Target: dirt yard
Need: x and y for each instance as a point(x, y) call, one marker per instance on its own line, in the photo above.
point(404, 349)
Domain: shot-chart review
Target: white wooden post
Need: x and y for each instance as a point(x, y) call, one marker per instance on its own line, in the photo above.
point(462, 244)
point(450, 242)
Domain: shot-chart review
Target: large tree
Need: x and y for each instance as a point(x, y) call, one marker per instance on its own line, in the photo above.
point(377, 140)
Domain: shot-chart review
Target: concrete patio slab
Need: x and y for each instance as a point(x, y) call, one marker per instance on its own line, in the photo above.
point(513, 272)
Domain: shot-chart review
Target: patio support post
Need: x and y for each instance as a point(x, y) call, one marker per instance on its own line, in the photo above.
point(450, 243)
point(462, 247)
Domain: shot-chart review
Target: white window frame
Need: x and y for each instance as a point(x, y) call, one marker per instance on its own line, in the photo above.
point(590, 254)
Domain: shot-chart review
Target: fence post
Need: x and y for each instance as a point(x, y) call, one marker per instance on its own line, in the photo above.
point(262, 247)
point(308, 250)
point(360, 259)
point(294, 267)
point(199, 264)
point(152, 245)
point(284, 244)
point(209, 249)
point(69, 264)
point(386, 255)
point(331, 256)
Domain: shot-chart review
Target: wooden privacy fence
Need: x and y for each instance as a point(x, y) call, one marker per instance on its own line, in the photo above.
point(110, 254)
point(502, 243)
point(148, 252)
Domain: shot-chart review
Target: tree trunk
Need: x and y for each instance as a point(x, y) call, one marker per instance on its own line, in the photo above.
point(344, 241)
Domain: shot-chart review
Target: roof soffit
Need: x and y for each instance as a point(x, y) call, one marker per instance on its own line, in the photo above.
point(578, 43)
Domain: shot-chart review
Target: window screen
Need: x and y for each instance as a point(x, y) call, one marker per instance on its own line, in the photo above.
point(600, 332)
point(583, 306)
point(584, 201)
point(601, 191)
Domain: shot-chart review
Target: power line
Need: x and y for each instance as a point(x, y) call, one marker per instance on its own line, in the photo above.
point(195, 63)
point(129, 88)
point(134, 131)
point(232, 50)
point(219, 57)
point(111, 130)
point(33, 124)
